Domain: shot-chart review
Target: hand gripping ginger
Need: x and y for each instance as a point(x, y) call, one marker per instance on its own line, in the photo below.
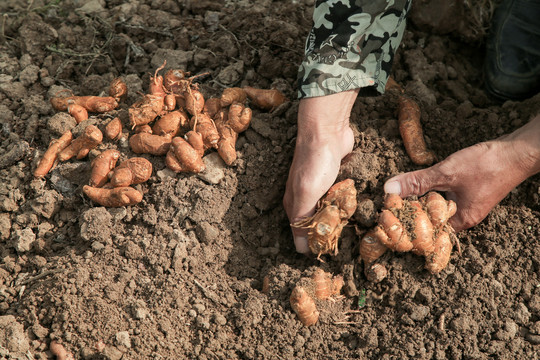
point(333, 213)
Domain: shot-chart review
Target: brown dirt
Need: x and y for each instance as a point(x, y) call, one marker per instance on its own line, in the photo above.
point(179, 276)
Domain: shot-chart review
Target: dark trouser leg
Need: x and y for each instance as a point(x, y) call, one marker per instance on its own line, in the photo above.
point(512, 64)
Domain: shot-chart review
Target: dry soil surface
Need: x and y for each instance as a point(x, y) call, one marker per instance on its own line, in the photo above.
point(179, 276)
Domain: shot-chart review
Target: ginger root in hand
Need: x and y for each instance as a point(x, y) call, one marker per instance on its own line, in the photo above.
point(333, 213)
point(409, 225)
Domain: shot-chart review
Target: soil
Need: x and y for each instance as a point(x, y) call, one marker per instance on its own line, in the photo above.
point(180, 275)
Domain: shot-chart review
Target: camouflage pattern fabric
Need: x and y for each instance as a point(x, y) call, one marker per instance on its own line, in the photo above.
point(351, 45)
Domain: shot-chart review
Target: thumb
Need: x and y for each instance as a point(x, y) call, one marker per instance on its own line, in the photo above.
point(412, 183)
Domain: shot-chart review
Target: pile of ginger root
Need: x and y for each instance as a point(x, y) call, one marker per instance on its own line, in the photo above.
point(173, 120)
point(403, 225)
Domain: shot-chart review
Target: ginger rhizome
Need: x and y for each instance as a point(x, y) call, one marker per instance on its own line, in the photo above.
point(321, 286)
point(50, 156)
point(266, 99)
point(113, 129)
point(410, 126)
point(102, 166)
point(132, 171)
point(81, 146)
point(333, 213)
point(420, 226)
point(113, 197)
point(96, 104)
point(118, 90)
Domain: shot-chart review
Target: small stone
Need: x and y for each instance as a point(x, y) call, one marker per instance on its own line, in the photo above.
point(112, 353)
point(533, 339)
point(96, 224)
point(214, 171)
point(534, 304)
point(207, 232)
point(24, 238)
point(12, 335)
point(5, 226)
point(47, 204)
point(40, 331)
point(141, 313)
point(522, 314)
point(203, 322)
point(122, 338)
point(535, 328)
point(200, 308)
point(460, 324)
point(220, 319)
point(165, 173)
point(419, 312)
point(97, 246)
point(29, 75)
point(61, 122)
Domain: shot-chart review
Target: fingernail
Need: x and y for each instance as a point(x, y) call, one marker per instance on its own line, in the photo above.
point(301, 244)
point(392, 187)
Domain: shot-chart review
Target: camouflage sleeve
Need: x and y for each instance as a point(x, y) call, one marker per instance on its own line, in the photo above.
point(351, 45)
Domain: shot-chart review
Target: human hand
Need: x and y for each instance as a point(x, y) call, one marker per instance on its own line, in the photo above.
point(323, 139)
point(477, 178)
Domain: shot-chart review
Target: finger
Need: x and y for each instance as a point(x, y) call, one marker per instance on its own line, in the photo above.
point(301, 244)
point(412, 183)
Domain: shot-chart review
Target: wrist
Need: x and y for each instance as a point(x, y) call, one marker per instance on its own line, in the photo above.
point(526, 143)
point(326, 116)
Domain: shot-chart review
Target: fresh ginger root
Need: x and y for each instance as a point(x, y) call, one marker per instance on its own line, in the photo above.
point(133, 171)
point(96, 104)
point(212, 106)
point(146, 143)
point(226, 145)
point(410, 127)
point(233, 95)
point(186, 155)
point(194, 101)
point(78, 112)
point(266, 99)
point(239, 117)
point(333, 213)
point(304, 306)
point(60, 351)
point(113, 197)
point(146, 110)
point(321, 286)
point(206, 127)
point(81, 146)
point(171, 123)
point(230, 121)
point(411, 132)
point(118, 90)
point(113, 129)
point(409, 225)
point(102, 166)
point(49, 157)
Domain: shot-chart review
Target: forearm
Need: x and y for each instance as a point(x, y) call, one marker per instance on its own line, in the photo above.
point(351, 46)
point(526, 142)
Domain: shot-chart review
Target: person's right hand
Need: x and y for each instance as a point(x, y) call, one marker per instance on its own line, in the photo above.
point(478, 177)
point(324, 137)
